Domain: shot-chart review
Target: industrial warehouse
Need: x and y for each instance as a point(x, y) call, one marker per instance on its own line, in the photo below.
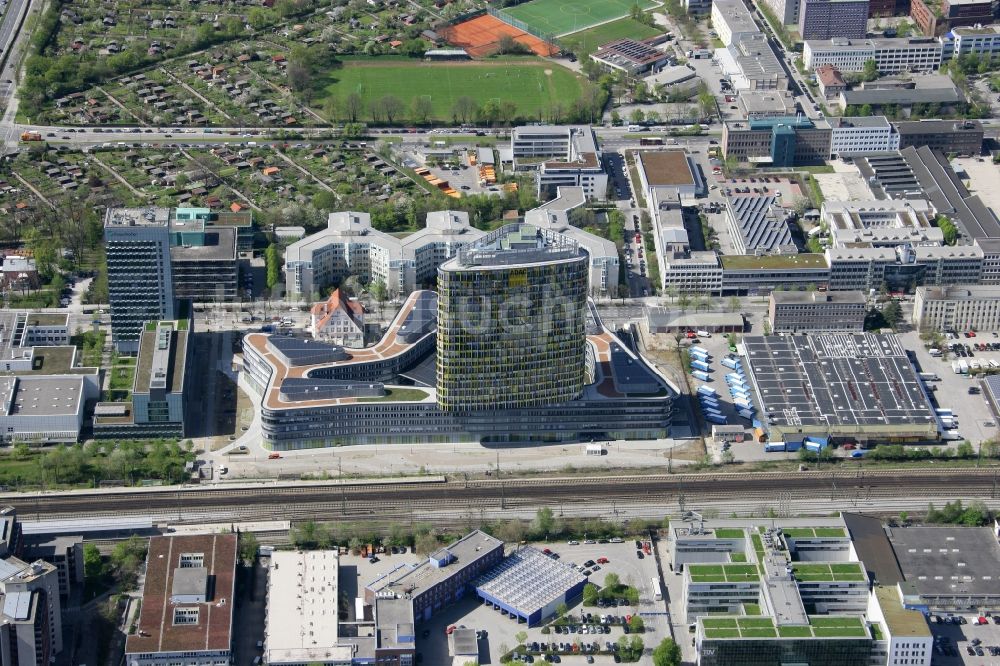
point(840, 387)
point(529, 585)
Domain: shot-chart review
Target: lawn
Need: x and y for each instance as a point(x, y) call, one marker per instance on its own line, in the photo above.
point(532, 84)
point(586, 42)
point(559, 17)
point(729, 533)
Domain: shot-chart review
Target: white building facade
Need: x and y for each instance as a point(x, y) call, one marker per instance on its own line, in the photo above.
point(851, 136)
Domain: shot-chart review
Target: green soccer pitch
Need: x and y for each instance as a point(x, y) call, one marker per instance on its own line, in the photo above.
point(560, 17)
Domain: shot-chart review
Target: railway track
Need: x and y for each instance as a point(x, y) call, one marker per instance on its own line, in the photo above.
point(381, 499)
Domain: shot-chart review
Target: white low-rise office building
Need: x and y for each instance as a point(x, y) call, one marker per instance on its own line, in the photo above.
point(960, 307)
point(731, 19)
point(891, 55)
point(868, 134)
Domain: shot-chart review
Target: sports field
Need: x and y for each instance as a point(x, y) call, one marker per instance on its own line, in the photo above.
point(560, 17)
point(532, 84)
point(586, 42)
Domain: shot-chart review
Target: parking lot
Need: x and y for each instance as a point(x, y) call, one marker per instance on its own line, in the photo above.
point(954, 642)
point(976, 421)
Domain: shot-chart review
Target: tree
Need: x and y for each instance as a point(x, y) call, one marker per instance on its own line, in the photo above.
point(521, 637)
point(667, 653)
point(380, 293)
point(425, 544)
point(706, 104)
point(734, 303)
point(544, 521)
point(392, 107)
point(464, 108)
point(589, 594)
point(512, 531)
point(870, 70)
point(637, 116)
point(248, 547)
point(893, 313)
point(421, 109)
point(353, 106)
point(612, 582)
point(636, 624)
point(93, 566)
point(636, 646)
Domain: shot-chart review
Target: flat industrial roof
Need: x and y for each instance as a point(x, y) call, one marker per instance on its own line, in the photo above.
point(873, 548)
point(853, 381)
point(949, 561)
point(302, 595)
point(220, 245)
point(41, 396)
point(414, 579)
point(668, 168)
point(212, 630)
point(528, 580)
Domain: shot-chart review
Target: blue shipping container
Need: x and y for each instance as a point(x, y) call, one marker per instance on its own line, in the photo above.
point(700, 365)
point(793, 446)
point(698, 374)
point(707, 390)
point(730, 363)
point(710, 402)
point(771, 447)
point(718, 420)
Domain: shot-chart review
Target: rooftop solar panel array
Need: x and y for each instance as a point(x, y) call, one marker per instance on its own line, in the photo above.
point(836, 380)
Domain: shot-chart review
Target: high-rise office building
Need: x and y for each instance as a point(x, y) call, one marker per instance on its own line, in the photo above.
point(140, 286)
point(511, 310)
point(826, 19)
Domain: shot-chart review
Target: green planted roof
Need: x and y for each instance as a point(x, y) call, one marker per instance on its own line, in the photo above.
point(723, 573)
point(729, 533)
point(749, 628)
point(843, 572)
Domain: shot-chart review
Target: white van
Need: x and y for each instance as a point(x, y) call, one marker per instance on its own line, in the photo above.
point(934, 352)
point(703, 334)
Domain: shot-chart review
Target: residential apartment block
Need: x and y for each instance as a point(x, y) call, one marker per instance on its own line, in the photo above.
point(959, 307)
point(961, 137)
point(351, 246)
point(891, 55)
point(850, 136)
point(561, 156)
point(808, 311)
point(826, 19)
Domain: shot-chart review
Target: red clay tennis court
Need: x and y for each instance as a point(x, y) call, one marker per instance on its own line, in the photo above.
point(481, 37)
